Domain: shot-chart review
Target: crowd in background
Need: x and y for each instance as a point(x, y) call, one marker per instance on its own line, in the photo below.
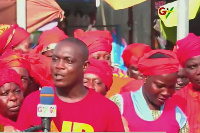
point(159, 93)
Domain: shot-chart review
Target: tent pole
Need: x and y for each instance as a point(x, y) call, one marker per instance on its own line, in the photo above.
point(21, 13)
point(103, 14)
point(183, 19)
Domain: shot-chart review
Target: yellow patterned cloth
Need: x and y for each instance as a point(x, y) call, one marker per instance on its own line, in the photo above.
point(117, 72)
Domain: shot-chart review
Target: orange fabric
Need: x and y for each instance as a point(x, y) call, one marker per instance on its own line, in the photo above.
point(13, 59)
point(118, 83)
point(39, 12)
point(8, 7)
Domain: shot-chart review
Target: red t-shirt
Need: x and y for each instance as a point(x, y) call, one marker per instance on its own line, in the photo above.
point(189, 101)
point(94, 113)
point(6, 122)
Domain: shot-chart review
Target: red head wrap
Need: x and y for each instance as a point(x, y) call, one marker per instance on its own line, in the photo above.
point(8, 76)
point(11, 35)
point(102, 70)
point(95, 40)
point(13, 59)
point(158, 66)
point(40, 69)
point(188, 48)
point(133, 52)
point(49, 37)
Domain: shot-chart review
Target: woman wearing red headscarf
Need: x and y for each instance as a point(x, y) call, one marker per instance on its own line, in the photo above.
point(98, 76)
point(48, 40)
point(148, 109)
point(11, 95)
point(34, 69)
point(40, 69)
point(17, 62)
point(188, 98)
point(99, 43)
point(14, 37)
point(131, 55)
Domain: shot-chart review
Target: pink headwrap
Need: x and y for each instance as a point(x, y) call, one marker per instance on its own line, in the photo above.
point(11, 35)
point(13, 59)
point(95, 40)
point(133, 52)
point(8, 76)
point(188, 48)
point(48, 38)
point(40, 68)
point(102, 70)
point(158, 66)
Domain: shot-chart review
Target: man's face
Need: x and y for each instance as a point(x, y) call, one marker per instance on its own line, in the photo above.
point(182, 79)
point(11, 98)
point(192, 69)
point(67, 67)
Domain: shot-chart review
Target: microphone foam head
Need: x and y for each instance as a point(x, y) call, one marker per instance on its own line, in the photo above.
point(47, 95)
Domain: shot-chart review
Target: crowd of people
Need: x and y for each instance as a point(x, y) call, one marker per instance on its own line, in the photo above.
point(160, 92)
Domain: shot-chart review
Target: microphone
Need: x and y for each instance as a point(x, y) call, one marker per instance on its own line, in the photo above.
point(34, 129)
point(46, 109)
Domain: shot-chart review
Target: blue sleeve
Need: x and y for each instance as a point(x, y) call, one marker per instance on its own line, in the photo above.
point(180, 117)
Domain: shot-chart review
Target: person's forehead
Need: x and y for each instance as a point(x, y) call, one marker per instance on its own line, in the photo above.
point(63, 49)
point(101, 53)
point(8, 86)
point(91, 76)
point(193, 59)
point(163, 76)
point(67, 45)
point(21, 71)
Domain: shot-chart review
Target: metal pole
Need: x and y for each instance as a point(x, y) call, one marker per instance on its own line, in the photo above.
point(152, 24)
point(130, 24)
point(21, 13)
point(183, 19)
point(103, 14)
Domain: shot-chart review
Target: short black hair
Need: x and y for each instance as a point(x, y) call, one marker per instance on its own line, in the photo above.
point(79, 43)
point(159, 55)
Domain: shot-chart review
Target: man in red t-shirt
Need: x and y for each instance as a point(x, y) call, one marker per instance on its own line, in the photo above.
point(188, 98)
point(79, 109)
